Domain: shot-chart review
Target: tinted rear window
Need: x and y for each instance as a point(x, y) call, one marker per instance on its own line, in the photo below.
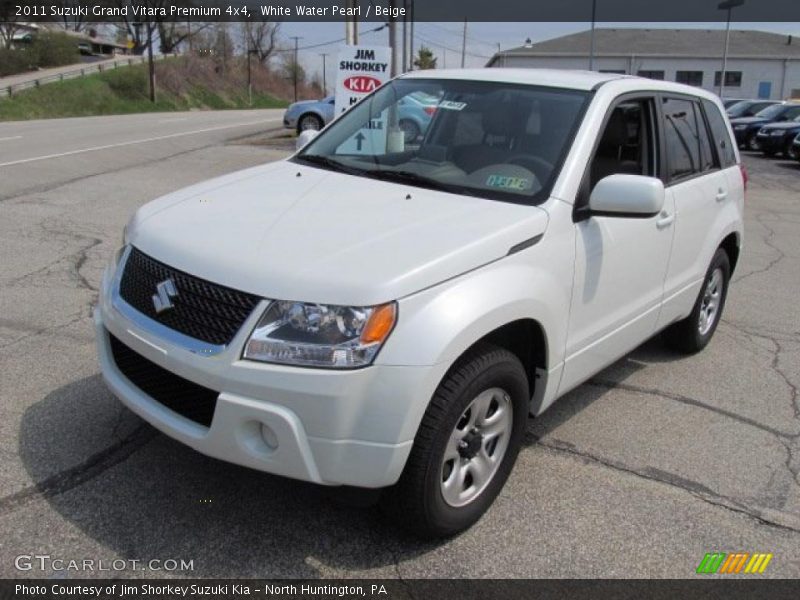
point(719, 131)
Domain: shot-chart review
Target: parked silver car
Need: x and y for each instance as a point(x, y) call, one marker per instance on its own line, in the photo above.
point(309, 114)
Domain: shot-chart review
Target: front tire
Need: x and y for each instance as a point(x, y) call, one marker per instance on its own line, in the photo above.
point(752, 142)
point(309, 121)
point(465, 447)
point(693, 333)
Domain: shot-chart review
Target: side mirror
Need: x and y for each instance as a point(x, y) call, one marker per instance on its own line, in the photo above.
point(627, 196)
point(305, 137)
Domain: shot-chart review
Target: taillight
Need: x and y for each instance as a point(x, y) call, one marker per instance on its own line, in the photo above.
point(430, 110)
point(745, 177)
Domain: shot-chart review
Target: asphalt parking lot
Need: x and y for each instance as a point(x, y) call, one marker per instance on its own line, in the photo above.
point(638, 473)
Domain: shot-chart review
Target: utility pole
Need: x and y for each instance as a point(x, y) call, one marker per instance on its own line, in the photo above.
point(324, 79)
point(591, 37)
point(151, 67)
point(464, 44)
point(295, 65)
point(351, 25)
point(393, 40)
point(411, 42)
point(405, 36)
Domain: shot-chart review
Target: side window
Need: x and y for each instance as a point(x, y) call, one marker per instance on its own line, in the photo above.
point(719, 133)
point(791, 113)
point(627, 144)
point(707, 161)
point(681, 138)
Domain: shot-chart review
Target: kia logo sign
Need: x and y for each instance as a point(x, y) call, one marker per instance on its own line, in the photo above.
point(362, 83)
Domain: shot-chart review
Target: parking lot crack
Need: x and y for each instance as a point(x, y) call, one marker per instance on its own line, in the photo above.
point(768, 241)
point(77, 475)
point(608, 384)
point(696, 489)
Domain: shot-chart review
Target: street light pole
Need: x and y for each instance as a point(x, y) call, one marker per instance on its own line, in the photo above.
point(728, 5)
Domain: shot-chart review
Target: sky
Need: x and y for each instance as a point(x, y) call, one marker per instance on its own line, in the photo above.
point(483, 39)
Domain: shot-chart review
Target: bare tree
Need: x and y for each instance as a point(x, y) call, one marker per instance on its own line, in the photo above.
point(172, 34)
point(261, 39)
point(71, 23)
point(9, 24)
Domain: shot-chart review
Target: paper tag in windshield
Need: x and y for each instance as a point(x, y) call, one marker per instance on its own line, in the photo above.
point(450, 105)
point(508, 183)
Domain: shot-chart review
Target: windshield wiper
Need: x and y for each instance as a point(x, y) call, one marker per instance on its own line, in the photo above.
point(410, 178)
point(328, 163)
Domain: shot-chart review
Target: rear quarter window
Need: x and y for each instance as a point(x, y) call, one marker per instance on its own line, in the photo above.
point(720, 135)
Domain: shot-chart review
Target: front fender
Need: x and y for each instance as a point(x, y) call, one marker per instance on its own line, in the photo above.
point(439, 324)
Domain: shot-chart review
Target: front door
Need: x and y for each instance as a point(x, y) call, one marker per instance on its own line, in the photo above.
point(620, 262)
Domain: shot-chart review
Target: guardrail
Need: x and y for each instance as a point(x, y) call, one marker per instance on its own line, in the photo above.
point(87, 69)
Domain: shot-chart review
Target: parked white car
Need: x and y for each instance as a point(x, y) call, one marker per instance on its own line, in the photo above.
point(381, 314)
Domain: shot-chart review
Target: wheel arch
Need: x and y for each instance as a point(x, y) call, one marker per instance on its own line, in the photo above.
point(732, 246)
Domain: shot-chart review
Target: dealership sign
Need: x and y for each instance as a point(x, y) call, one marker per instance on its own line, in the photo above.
point(360, 71)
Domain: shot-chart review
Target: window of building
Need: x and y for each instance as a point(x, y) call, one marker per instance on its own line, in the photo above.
point(732, 78)
point(694, 78)
point(613, 71)
point(651, 74)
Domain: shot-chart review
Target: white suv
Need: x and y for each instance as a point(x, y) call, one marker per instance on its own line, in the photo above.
point(386, 313)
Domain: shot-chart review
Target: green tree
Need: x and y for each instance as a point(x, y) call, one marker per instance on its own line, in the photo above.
point(425, 59)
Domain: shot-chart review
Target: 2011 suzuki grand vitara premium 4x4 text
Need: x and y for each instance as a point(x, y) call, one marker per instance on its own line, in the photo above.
point(385, 311)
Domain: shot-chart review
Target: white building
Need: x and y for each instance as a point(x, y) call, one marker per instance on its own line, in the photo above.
point(760, 64)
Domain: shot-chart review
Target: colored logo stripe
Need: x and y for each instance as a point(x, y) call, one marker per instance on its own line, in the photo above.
point(720, 562)
point(711, 562)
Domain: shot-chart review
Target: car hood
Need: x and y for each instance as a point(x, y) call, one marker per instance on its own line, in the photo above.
point(748, 121)
point(302, 233)
point(789, 125)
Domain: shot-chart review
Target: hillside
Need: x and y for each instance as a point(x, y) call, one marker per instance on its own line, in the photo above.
point(182, 83)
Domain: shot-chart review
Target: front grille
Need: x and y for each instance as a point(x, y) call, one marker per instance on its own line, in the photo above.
point(180, 395)
point(201, 309)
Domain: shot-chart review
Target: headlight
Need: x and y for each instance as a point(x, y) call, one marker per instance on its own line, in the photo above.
point(319, 335)
point(777, 133)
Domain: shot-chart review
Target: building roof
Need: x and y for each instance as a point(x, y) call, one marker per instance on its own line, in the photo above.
point(694, 43)
point(561, 78)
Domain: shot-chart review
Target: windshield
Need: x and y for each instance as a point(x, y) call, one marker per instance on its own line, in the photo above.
point(739, 109)
point(487, 139)
point(771, 111)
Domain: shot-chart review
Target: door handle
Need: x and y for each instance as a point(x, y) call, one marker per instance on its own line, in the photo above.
point(665, 220)
point(721, 195)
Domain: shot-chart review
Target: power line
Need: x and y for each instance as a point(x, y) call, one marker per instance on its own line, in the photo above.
point(429, 42)
point(339, 41)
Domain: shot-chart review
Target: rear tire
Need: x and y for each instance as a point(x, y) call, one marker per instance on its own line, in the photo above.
point(693, 333)
point(478, 413)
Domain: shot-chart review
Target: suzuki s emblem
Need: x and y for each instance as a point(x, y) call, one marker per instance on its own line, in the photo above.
point(165, 292)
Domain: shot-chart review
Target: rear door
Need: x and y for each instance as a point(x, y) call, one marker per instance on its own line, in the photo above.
point(700, 187)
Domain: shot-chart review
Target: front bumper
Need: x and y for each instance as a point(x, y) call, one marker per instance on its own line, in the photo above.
point(329, 427)
point(289, 121)
point(741, 135)
point(771, 143)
